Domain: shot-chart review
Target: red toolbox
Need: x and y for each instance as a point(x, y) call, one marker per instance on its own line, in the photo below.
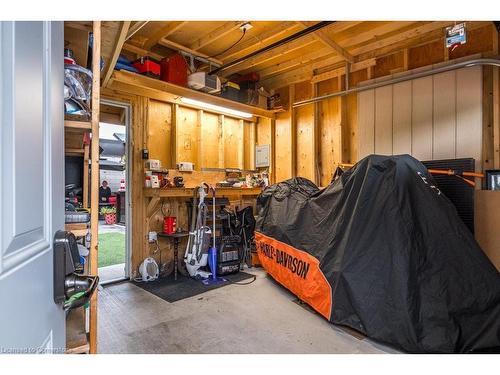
point(174, 69)
point(147, 66)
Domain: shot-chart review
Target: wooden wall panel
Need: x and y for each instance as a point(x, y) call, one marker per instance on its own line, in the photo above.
point(366, 123)
point(329, 124)
point(352, 124)
point(421, 118)
point(469, 113)
point(249, 145)
point(430, 53)
point(159, 132)
point(233, 143)
point(401, 118)
point(210, 141)
point(330, 136)
point(383, 120)
point(305, 147)
point(438, 117)
point(187, 135)
point(283, 137)
point(444, 140)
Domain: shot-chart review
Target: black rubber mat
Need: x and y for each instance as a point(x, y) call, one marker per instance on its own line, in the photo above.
point(171, 290)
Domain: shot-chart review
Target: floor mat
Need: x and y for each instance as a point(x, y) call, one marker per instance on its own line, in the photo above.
point(171, 290)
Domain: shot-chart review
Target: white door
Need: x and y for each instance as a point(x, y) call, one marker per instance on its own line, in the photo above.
point(31, 184)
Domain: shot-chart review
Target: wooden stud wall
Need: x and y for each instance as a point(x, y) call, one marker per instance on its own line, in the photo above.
point(206, 139)
point(196, 135)
point(311, 141)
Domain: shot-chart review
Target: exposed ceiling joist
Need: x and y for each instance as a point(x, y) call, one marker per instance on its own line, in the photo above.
point(398, 36)
point(340, 71)
point(287, 41)
point(322, 36)
point(392, 43)
point(255, 42)
point(372, 32)
point(304, 73)
point(141, 51)
point(135, 28)
point(179, 47)
point(284, 66)
point(216, 34)
point(269, 55)
point(120, 39)
point(162, 33)
point(408, 38)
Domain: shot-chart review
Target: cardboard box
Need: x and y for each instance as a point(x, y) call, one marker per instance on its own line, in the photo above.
point(487, 223)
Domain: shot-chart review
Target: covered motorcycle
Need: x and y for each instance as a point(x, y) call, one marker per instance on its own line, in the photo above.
point(383, 251)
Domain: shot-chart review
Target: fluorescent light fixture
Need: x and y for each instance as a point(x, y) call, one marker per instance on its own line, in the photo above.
point(216, 108)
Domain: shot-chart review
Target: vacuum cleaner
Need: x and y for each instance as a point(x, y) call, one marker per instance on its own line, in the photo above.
point(212, 251)
point(196, 255)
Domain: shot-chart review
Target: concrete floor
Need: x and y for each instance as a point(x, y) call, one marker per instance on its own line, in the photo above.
point(256, 318)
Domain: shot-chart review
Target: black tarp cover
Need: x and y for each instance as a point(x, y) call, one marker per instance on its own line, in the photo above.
point(382, 250)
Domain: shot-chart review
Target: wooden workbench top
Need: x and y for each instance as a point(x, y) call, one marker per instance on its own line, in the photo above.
point(188, 192)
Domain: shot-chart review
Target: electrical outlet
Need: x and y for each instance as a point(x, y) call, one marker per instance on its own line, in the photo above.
point(152, 237)
point(246, 26)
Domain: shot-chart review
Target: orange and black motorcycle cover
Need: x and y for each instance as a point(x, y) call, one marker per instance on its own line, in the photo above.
point(383, 251)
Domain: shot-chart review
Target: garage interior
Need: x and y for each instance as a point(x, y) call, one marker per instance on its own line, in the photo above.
point(239, 107)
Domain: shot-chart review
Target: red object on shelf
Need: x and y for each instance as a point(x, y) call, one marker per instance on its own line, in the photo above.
point(147, 66)
point(174, 69)
point(169, 224)
point(112, 200)
point(249, 77)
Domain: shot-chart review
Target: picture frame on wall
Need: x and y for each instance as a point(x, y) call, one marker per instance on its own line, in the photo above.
point(493, 179)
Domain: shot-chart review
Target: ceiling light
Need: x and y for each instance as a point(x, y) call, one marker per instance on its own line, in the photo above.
point(216, 108)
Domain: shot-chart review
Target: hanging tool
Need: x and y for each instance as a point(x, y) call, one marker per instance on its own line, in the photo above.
point(459, 174)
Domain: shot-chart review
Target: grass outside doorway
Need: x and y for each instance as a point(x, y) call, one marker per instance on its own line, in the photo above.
point(111, 249)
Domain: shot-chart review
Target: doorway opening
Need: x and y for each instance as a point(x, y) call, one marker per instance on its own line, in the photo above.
point(114, 223)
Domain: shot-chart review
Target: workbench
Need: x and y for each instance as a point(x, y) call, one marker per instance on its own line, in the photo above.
point(172, 202)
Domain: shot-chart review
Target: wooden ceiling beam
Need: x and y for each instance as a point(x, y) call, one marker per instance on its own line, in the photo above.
point(397, 36)
point(141, 51)
point(120, 39)
point(290, 64)
point(303, 73)
point(323, 37)
point(422, 34)
point(179, 47)
point(162, 33)
point(135, 28)
point(271, 54)
point(376, 32)
point(258, 41)
point(216, 34)
point(411, 38)
point(341, 71)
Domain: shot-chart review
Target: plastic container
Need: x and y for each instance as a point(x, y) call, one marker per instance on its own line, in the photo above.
point(231, 91)
point(174, 69)
point(147, 66)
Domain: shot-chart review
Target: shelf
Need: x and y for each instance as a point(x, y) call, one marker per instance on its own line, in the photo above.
point(77, 125)
point(153, 88)
point(188, 192)
point(78, 229)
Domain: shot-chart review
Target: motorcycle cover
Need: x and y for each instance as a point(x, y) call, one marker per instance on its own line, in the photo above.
point(383, 251)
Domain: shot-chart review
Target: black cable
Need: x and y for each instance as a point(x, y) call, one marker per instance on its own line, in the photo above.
point(247, 283)
point(234, 44)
